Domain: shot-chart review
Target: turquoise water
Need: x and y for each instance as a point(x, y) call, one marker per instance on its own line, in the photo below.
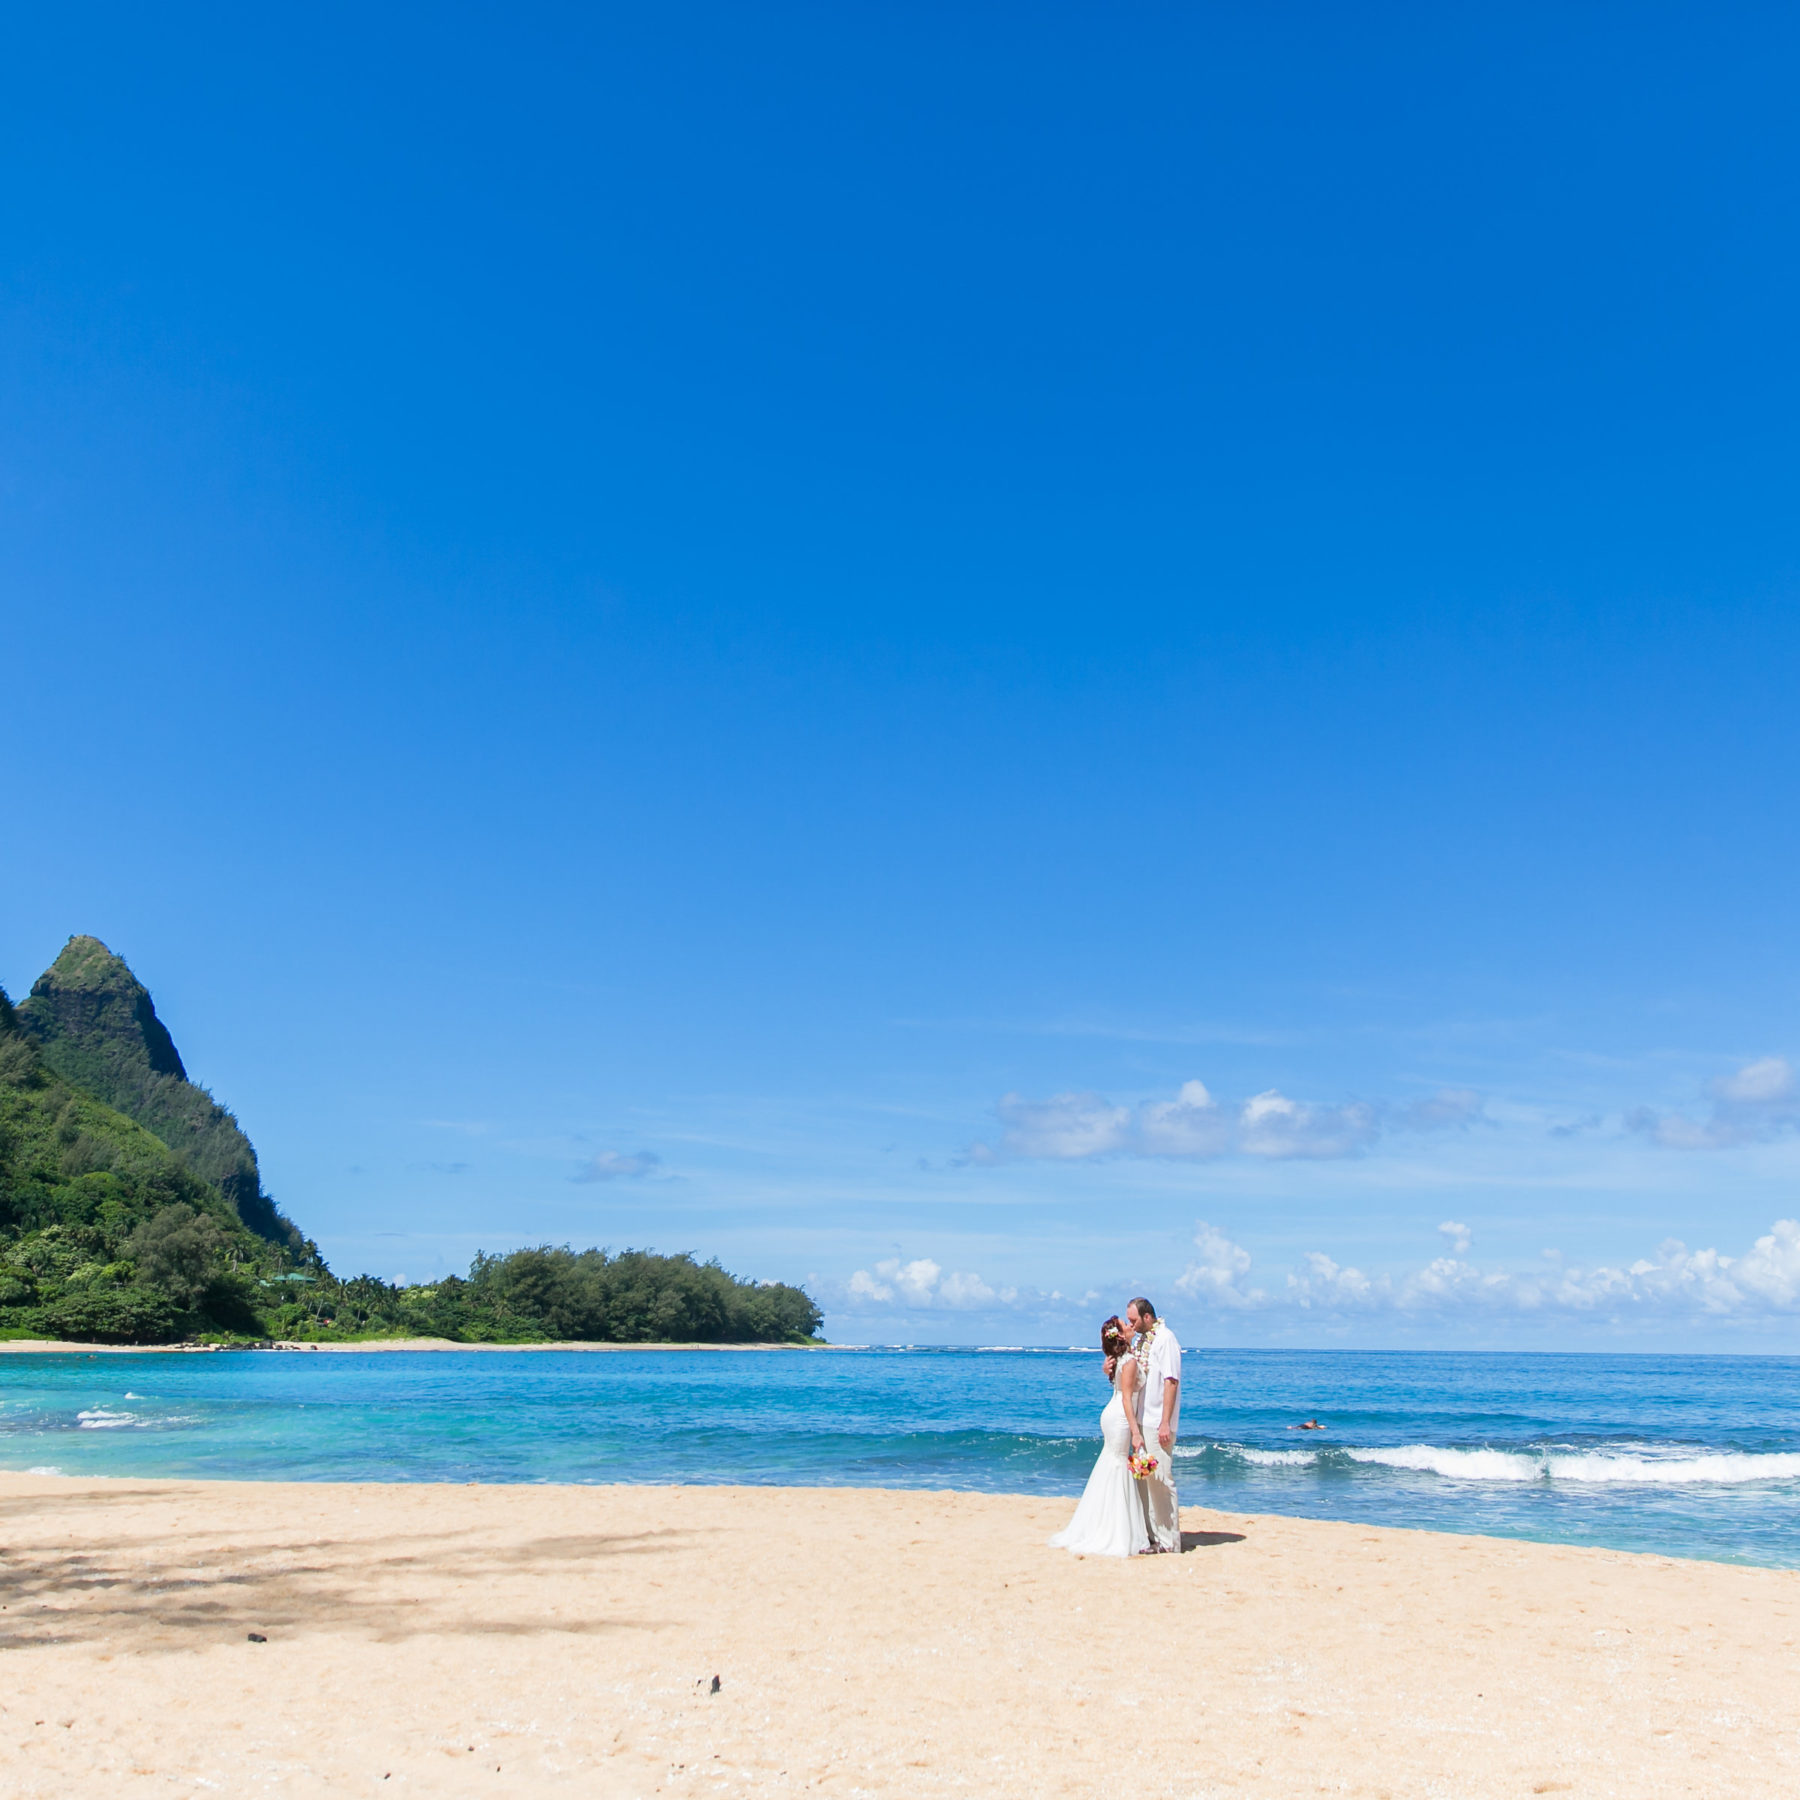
point(1690, 1456)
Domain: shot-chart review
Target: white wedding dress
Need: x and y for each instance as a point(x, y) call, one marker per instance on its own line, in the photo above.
point(1111, 1519)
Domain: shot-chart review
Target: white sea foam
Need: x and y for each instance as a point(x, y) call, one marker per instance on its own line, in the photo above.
point(1459, 1465)
point(103, 1419)
point(1729, 1468)
point(44, 1469)
point(1267, 1459)
point(1274, 1459)
point(1644, 1467)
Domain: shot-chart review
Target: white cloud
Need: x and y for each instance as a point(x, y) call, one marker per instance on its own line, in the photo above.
point(1677, 1281)
point(1073, 1127)
point(864, 1286)
point(1273, 1125)
point(1763, 1083)
point(1760, 1101)
point(610, 1165)
point(965, 1290)
point(1192, 1124)
point(1771, 1269)
point(915, 1280)
point(1219, 1273)
point(1064, 1127)
point(1331, 1283)
point(922, 1285)
point(1675, 1284)
point(1766, 1279)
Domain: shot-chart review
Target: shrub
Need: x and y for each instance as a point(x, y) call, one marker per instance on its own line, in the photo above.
point(178, 1251)
point(131, 1315)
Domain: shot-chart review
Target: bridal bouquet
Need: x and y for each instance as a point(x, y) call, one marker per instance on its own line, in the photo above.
point(1143, 1464)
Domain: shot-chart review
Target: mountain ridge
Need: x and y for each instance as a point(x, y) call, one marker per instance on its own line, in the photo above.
point(97, 1027)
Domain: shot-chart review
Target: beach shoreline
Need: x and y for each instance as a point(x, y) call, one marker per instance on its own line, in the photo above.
point(518, 1639)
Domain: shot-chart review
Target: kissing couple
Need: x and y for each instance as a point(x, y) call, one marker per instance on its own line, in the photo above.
point(1128, 1505)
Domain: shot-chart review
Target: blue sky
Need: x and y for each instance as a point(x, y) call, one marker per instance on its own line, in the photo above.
point(768, 631)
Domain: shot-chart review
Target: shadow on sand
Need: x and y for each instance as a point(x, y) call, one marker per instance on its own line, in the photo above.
point(180, 1587)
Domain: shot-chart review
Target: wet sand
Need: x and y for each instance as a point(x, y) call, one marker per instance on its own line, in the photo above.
point(527, 1640)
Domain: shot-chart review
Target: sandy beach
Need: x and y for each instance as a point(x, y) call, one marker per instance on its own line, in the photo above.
point(522, 1640)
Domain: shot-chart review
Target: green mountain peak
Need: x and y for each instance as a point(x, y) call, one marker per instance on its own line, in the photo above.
point(96, 1026)
point(88, 996)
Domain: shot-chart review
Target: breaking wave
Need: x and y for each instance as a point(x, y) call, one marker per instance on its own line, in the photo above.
point(100, 1418)
point(1641, 1466)
point(103, 1418)
point(1269, 1459)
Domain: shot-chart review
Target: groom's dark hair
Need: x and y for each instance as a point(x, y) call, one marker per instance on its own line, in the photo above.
point(1145, 1309)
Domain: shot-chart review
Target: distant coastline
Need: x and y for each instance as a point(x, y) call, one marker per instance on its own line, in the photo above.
point(69, 1346)
point(132, 1212)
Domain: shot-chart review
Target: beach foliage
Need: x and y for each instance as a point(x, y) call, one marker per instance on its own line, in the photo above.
point(554, 1294)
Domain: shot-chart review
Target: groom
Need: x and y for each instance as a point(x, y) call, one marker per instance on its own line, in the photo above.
point(1159, 1368)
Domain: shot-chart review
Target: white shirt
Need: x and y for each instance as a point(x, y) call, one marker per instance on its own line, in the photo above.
point(1165, 1365)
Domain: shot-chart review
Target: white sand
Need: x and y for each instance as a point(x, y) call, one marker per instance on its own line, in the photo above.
point(531, 1640)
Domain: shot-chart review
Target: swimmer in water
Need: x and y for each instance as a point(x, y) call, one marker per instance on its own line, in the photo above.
point(1310, 1425)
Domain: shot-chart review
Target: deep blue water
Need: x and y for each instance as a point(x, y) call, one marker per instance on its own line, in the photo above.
point(1691, 1456)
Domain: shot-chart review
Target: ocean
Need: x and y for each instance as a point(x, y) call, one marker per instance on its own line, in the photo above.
point(1687, 1456)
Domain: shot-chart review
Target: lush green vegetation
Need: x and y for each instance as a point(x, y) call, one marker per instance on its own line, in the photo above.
point(105, 1234)
point(548, 1295)
point(96, 1027)
point(131, 1211)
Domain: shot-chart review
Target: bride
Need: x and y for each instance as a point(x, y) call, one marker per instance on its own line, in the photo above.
point(1111, 1519)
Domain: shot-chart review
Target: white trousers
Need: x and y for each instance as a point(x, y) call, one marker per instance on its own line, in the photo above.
point(1159, 1495)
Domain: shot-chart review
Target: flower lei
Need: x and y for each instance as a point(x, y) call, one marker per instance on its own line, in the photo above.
point(1142, 1353)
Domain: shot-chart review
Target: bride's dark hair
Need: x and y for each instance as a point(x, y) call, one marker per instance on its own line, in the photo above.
point(1115, 1340)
